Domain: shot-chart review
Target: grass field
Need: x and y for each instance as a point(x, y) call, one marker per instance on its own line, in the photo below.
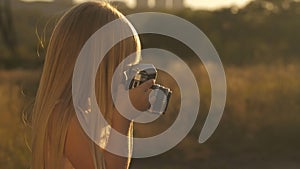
point(259, 129)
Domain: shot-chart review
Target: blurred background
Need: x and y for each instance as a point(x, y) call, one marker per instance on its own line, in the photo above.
point(258, 43)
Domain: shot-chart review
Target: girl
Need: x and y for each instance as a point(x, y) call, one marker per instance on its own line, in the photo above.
point(58, 141)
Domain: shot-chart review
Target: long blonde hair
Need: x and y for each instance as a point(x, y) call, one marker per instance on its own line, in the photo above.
point(53, 108)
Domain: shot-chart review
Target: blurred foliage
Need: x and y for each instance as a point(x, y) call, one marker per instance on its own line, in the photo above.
point(6, 26)
point(262, 32)
point(259, 48)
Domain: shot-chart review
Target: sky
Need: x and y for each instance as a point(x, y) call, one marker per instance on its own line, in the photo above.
point(195, 4)
point(201, 4)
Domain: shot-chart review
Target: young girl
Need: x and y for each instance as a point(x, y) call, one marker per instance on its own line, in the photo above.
point(58, 140)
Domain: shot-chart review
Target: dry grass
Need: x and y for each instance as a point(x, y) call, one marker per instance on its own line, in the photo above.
point(261, 118)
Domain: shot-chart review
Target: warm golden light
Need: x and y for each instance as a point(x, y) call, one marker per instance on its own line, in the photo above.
point(194, 4)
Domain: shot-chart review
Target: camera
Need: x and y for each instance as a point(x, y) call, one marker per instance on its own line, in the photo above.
point(159, 96)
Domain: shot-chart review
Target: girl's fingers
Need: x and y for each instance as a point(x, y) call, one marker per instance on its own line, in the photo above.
point(147, 85)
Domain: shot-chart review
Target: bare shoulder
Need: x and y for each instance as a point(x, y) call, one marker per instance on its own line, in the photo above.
point(77, 146)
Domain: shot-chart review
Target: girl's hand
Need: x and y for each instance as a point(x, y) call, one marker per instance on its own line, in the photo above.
point(139, 96)
point(138, 99)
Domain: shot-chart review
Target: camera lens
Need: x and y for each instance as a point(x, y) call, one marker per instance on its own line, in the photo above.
point(162, 96)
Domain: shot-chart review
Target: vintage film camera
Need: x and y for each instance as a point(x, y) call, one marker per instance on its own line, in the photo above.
point(160, 95)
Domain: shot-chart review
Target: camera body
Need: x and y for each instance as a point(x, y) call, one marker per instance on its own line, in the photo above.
point(160, 95)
